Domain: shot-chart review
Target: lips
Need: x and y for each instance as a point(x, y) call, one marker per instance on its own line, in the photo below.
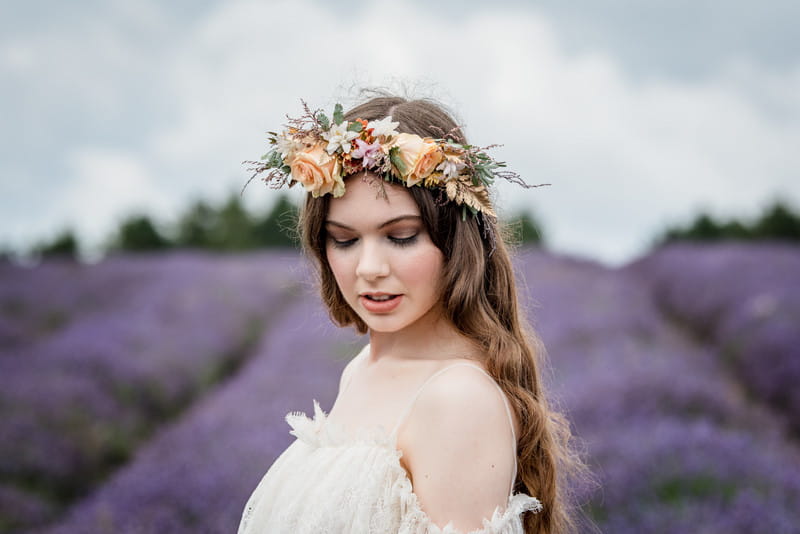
point(379, 302)
point(378, 296)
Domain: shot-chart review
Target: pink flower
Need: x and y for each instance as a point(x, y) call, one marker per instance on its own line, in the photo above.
point(368, 152)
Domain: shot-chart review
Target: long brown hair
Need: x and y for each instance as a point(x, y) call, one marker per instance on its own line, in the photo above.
point(480, 299)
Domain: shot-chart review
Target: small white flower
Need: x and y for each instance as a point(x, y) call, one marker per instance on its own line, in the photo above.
point(383, 127)
point(338, 136)
point(287, 146)
point(451, 166)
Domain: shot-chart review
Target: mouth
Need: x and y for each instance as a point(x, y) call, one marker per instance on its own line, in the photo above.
point(380, 303)
point(379, 297)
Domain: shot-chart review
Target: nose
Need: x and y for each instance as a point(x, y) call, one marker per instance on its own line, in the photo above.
point(372, 263)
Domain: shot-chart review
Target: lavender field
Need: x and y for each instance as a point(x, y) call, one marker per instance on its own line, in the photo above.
point(147, 393)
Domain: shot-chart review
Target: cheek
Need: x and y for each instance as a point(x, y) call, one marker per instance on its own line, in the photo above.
point(340, 266)
point(424, 268)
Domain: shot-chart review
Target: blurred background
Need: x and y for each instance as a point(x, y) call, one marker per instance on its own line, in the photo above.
point(157, 323)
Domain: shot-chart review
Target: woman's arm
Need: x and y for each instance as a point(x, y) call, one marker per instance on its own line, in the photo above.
point(457, 445)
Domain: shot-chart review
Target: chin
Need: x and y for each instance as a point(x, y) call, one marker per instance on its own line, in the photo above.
point(383, 327)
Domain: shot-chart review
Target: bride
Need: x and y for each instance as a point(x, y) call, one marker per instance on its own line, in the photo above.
point(441, 423)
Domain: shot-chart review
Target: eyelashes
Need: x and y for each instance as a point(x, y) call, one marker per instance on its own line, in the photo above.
point(403, 241)
point(342, 244)
point(397, 241)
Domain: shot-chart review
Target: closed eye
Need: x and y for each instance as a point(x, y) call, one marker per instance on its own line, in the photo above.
point(403, 241)
point(399, 241)
point(342, 244)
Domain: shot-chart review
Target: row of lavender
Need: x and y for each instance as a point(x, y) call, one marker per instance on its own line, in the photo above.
point(745, 300)
point(196, 476)
point(675, 443)
point(94, 358)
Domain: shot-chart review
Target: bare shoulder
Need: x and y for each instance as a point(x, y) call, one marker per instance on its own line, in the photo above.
point(465, 397)
point(459, 448)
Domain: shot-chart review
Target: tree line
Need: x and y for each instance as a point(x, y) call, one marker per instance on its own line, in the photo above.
point(777, 221)
point(228, 227)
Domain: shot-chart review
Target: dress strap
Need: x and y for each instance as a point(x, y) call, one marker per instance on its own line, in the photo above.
point(410, 405)
point(352, 371)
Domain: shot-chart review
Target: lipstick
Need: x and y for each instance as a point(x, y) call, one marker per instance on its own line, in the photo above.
point(379, 306)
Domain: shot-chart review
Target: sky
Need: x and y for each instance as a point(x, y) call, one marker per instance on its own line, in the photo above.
point(639, 114)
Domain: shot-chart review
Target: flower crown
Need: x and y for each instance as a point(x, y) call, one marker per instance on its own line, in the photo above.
point(318, 153)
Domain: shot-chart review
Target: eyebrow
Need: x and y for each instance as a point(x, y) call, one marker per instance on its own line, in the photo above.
point(382, 225)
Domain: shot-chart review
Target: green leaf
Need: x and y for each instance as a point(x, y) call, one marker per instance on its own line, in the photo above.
point(482, 174)
point(323, 121)
point(354, 127)
point(338, 114)
point(270, 157)
point(275, 160)
point(463, 212)
point(286, 169)
point(397, 161)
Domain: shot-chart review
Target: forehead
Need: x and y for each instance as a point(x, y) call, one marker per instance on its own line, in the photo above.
point(363, 203)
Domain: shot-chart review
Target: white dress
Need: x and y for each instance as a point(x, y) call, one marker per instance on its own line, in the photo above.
point(328, 482)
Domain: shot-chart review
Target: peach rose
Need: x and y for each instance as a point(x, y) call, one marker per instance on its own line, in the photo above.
point(416, 158)
point(319, 173)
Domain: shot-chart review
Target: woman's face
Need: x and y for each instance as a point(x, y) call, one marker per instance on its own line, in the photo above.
point(384, 261)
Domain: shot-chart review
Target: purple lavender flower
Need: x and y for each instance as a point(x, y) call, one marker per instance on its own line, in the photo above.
point(743, 299)
point(655, 365)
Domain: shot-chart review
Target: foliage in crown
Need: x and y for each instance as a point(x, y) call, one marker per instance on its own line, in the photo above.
point(318, 152)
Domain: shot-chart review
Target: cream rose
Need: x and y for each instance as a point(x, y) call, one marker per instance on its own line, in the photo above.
point(319, 173)
point(416, 157)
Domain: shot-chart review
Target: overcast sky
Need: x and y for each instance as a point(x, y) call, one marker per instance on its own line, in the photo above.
point(638, 114)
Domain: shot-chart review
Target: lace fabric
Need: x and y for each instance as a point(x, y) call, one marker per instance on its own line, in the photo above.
point(329, 482)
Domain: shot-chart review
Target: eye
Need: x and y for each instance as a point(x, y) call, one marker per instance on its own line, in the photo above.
point(342, 244)
point(403, 241)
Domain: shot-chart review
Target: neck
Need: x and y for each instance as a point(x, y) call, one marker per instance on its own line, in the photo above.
point(432, 337)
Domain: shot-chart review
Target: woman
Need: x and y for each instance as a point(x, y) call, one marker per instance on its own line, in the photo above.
point(440, 424)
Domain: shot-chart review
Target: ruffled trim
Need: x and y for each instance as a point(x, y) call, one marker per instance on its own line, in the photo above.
point(308, 430)
point(415, 520)
point(319, 431)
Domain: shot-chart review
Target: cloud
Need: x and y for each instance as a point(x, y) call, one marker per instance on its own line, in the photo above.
point(626, 156)
point(173, 105)
point(108, 186)
point(680, 39)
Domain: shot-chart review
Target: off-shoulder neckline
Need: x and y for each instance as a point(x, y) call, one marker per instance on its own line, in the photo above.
point(319, 431)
